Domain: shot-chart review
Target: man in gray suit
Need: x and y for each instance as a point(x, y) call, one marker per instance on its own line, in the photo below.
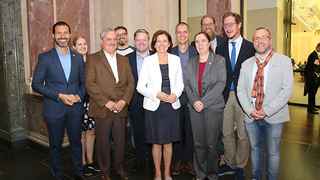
point(264, 88)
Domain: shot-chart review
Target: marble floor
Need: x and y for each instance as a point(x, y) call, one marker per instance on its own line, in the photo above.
point(300, 156)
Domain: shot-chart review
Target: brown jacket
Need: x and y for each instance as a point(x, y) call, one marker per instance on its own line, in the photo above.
point(101, 84)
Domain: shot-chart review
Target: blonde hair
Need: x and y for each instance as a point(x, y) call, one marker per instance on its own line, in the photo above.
point(75, 39)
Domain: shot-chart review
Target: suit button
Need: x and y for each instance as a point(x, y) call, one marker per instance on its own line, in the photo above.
point(68, 84)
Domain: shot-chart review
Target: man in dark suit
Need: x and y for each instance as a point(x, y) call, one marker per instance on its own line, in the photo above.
point(236, 50)
point(110, 85)
point(208, 25)
point(59, 77)
point(136, 111)
point(185, 52)
point(311, 73)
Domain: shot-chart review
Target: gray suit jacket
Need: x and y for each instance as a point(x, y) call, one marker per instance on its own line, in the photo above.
point(213, 81)
point(278, 90)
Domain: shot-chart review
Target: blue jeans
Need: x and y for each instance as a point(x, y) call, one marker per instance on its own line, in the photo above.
point(260, 132)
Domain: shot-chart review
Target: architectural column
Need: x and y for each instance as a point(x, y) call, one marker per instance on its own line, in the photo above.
point(13, 122)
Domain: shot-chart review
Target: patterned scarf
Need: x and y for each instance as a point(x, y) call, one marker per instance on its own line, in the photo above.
point(258, 84)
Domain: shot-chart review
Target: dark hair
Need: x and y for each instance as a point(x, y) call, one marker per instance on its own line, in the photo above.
point(259, 28)
point(236, 16)
point(208, 38)
point(155, 37)
point(318, 44)
point(182, 23)
point(121, 27)
point(208, 16)
point(140, 31)
point(60, 23)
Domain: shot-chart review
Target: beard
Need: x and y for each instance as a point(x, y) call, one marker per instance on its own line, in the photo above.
point(122, 43)
point(263, 51)
point(211, 33)
point(61, 45)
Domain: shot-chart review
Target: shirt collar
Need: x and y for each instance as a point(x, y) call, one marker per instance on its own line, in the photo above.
point(238, 40)
point(138, 55)
point(59, 53)
point(264, 58)
point(109, 56)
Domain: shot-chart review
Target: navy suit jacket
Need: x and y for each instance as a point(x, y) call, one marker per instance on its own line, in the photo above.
point(220, 40)
point(133, 64)
point(192, 51)
point(49, 80)
point(246, 51)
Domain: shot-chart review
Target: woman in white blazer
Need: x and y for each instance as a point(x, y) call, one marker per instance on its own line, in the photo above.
point(161, 84)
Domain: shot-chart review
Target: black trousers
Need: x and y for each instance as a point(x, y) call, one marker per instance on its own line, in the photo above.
point(186, 137)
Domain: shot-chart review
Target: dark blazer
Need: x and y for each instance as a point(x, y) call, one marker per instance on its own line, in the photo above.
point(213, 81)
point(49, 80)
point(102, 87)
point(192, 51)
point(133, 64)
point(309, 73)
point(220, 40)
point(246, 51)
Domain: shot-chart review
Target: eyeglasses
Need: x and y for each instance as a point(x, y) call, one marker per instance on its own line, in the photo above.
point(262, 38)
point(123, 34)
point(207, 25)
point(231, 24)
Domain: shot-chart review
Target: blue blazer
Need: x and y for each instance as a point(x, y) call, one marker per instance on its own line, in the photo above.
point(246, 51)
point(192, 51)
point(49, 80)
point(133, 64)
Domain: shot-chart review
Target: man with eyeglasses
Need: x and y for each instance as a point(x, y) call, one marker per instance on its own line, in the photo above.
point(122, 38)
point(236, 50)
point(208, 25)
point(264, 89)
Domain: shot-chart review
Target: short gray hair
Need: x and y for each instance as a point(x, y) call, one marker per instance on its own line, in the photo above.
point(104, 31)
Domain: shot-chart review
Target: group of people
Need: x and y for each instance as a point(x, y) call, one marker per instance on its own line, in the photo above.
point(187, 96)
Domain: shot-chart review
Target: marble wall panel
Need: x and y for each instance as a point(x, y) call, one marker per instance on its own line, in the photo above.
point(76, 14)
point(40, 21)
point(218, 8)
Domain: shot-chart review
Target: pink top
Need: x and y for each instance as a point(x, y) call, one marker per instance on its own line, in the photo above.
point(202, 65)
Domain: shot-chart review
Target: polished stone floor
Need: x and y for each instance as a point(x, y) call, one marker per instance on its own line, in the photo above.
point(300, 156)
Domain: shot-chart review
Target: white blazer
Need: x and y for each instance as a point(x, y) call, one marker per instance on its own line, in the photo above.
point(150, 81)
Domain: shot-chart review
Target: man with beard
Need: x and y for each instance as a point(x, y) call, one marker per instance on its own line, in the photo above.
point(264, 89)
point(136, 58)
point(208, 25)
point(59, 77)
point(185, 52)
point(236, 50)
point(122, 38)
point(110, 85)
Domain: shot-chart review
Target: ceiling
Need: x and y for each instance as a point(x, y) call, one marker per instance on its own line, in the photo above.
point(306, 13)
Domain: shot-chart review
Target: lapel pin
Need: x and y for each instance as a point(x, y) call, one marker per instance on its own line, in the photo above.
point(74, 55)
point(210, 63)
point(274, 65)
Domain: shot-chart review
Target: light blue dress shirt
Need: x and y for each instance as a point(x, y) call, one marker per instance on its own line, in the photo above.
point(65, 62)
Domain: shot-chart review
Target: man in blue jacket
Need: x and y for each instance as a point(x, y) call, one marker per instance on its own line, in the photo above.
point(185, 52)
point(59, 77)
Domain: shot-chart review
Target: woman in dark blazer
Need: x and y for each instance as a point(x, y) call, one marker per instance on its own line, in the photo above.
point(205, 80)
